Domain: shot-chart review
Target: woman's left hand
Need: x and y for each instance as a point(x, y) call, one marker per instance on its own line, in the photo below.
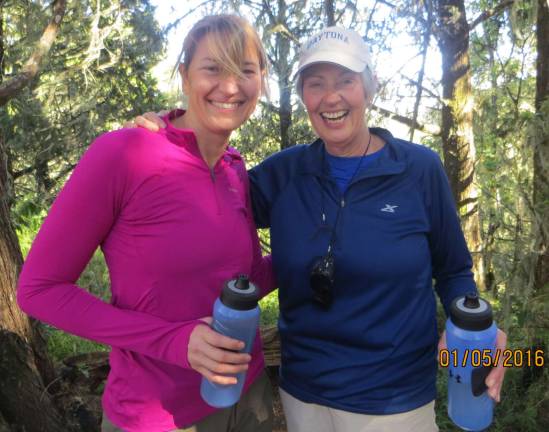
point(149, 120)
point(494, 380)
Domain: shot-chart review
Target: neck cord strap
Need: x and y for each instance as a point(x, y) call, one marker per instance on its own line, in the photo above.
point(332, 237)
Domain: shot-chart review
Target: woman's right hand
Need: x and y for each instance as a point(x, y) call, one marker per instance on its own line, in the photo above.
point(150, 120)
point(213, 354)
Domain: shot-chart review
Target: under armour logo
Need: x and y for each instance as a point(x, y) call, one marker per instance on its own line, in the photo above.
point(389, 208)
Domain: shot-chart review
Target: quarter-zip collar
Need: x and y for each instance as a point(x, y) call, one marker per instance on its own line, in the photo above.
point(391, 162)
point(186, 138)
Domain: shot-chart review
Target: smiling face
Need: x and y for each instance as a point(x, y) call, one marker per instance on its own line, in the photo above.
point(336, 104)
point(219, 101)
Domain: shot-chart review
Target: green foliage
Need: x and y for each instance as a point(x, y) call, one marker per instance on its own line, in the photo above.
point(523, 407)
point(27, 220)
point(269, 309)
point(62, 345)
point(97, 74)
point(94, 278)
point(257, 138)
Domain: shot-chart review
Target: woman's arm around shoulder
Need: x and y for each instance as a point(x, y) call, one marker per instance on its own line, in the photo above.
point(268, 179)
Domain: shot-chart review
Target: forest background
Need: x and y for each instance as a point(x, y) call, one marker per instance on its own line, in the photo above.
point(469, 79)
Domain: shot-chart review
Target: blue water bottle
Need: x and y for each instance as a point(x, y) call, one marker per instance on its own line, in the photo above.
point(471, 340)
point(235, 314)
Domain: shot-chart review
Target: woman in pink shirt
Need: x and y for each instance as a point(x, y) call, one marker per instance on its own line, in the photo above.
point(171, 213)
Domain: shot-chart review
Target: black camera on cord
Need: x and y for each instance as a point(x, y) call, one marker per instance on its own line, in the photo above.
point(321, 277)
point(322, 281)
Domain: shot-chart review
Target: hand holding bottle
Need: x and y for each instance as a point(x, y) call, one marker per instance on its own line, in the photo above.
point(215, 356)
point(494, 380)
point(472, 339)
point(235, 314)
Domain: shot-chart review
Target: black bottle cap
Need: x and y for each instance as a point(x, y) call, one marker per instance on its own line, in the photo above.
point(240, 294)
point(470, 312)
point(471, 301)
point(242, 282)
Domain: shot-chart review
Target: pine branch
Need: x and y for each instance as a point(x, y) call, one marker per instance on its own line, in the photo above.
point(175, 23)
point(489, 13)
point(407, 121)
point(386, 3)
point(423, 88)
point(11, 87)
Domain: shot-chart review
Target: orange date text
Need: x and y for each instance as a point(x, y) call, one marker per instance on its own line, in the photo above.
point(491, 358)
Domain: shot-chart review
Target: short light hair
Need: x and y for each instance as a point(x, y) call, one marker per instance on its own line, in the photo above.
point(368, 77)
point(231, 35)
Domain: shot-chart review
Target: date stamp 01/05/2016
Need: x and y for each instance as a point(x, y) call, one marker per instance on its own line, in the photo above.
point(476, 358)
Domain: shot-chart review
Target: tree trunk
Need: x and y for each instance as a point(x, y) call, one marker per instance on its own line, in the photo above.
point(329, 10)
point(24, 403)
point(11, 260)
point(541, 149)
point(24, 363)
point(284, 87)
point(1, 65)
point(457, 123)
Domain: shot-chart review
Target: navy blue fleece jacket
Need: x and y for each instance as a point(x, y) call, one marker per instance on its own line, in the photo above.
point(374, 350)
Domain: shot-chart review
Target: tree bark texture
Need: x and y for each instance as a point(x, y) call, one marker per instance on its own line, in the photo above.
point(541, 150)
point(11, 260)
point(457, 123)
point(24, 403)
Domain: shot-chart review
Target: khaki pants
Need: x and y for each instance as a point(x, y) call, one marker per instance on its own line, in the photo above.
point(307, 417)
point(253, 413)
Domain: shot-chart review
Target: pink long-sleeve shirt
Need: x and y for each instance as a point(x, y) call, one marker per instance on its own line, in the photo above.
point(172, 231)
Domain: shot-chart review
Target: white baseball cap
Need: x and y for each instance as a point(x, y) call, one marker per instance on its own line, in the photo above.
point(336, 45)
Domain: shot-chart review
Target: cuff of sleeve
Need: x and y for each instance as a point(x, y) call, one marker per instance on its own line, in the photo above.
point(453, 293)
point(179, 354)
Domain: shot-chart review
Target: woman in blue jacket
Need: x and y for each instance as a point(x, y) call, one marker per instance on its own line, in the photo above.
point(361, 223)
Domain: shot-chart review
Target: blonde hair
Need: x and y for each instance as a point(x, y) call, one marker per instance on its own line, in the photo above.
point(231, 36)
